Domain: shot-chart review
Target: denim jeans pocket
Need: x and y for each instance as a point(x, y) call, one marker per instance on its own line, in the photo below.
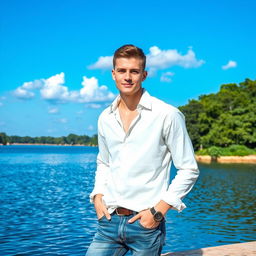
point(146, 227)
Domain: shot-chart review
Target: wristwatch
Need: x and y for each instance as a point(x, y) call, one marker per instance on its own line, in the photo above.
point(158, 216)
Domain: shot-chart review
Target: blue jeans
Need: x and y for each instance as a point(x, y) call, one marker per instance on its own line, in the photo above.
point(116, 237)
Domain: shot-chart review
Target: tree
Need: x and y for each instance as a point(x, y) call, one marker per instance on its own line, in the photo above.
point(192, 112)
point(224, 118)
point(3, 138)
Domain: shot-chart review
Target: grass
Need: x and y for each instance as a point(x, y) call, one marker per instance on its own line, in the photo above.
point(233, 150)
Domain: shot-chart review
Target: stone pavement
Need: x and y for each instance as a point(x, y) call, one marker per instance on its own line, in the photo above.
point(240, 249)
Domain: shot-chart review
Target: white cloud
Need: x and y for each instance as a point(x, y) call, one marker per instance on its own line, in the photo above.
point(161, 59)
point(33, 85)
point(230, 64)
point(158, 59)
point(22, 93)
point(92, 92)
point(1, 104)
point(94, 105)
point(51, 130)
point(104, 62)
point(54, 89)
point(166, 77)
point(63, 120)
point(152, 72)
point(90, 128)
point(53, 110)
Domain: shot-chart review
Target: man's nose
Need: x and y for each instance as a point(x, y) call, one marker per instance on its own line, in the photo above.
point(127, 76)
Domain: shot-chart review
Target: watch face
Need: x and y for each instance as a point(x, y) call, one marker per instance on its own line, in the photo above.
point(158, 216)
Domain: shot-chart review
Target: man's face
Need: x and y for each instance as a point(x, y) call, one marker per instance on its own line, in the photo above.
point(128, 75)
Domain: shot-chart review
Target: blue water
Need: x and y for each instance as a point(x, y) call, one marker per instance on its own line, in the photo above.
point(45, 208)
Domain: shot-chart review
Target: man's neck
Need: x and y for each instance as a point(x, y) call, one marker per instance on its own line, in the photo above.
point(130, 102)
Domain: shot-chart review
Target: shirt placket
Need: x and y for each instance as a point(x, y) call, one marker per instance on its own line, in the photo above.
point(132, 125)
point(122, 158)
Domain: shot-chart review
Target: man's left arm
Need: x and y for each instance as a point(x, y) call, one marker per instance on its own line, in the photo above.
point(183, 157)
point(180, 146)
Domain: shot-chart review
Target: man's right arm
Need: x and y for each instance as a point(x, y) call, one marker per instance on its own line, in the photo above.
point(101, 176)
point(100, 207)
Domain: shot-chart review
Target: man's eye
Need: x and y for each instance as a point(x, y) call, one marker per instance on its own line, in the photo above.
point(135, 72)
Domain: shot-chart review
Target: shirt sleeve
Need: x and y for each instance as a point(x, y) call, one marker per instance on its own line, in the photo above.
point(102, 170)
point(180, 146)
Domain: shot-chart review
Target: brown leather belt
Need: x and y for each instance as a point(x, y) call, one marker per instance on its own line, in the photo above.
point(120, 211)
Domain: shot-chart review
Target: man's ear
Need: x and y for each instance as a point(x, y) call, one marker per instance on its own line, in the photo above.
point(145, 74)
point(113, 74)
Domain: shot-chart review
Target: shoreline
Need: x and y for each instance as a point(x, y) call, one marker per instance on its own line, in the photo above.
point(250, 159)
point(48, 144)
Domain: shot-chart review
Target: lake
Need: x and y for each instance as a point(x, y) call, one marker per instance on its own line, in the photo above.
point(45, 207)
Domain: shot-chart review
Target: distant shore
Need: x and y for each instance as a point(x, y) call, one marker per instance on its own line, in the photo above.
point(48, 144)
point(202, 159)
point(250, 159)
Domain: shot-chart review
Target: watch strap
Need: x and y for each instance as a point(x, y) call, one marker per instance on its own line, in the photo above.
point(152, 210)
point(158, 216)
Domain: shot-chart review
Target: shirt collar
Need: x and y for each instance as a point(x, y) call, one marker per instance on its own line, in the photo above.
point(145, 102)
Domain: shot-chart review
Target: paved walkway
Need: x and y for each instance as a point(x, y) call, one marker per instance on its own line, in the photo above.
point(241, 249)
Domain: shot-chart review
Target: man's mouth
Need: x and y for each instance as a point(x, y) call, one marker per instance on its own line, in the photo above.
point(127, 85)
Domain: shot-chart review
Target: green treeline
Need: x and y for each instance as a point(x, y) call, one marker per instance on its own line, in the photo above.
point(233, 150)
point(71, 139)
point(225, 118)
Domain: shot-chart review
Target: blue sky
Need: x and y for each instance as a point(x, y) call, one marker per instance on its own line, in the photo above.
point(55, 56)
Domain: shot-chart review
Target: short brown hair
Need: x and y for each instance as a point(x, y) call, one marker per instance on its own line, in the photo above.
point(129, 51)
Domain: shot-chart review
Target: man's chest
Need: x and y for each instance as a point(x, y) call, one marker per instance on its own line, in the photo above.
point(143, 131)
point(127, 118)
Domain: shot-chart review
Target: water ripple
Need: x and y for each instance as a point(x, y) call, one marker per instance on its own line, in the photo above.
point(45, 208)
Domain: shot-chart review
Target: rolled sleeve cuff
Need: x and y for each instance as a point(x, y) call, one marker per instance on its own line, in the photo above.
point(175, 202)
point(94, 193)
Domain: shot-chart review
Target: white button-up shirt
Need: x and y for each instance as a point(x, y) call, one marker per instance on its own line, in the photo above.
point(133, 168)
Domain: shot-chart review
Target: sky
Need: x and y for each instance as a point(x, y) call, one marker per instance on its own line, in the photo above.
point(55, 56)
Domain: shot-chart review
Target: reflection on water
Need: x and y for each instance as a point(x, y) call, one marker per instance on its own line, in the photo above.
point(45, 207)
point(221, 208)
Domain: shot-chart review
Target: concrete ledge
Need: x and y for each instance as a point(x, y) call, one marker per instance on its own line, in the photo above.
point(240, 249)
point(251, 159)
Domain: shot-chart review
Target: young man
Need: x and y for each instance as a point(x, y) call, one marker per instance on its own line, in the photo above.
point(138, 137)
